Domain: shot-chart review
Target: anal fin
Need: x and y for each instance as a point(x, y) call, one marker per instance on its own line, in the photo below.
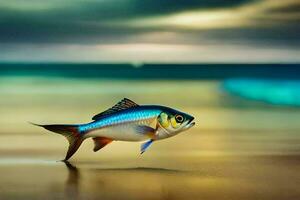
point(101, 142)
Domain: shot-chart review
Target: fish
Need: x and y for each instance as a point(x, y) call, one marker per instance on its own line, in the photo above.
point(125, 121)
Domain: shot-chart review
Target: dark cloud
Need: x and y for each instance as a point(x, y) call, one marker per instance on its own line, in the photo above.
point(150, 7)
point(290, 8)
point(83, 22)
point(280, 36)
point(120, 9)
point(36, 30)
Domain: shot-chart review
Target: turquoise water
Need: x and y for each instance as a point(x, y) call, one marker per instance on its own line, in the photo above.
point(276, 92)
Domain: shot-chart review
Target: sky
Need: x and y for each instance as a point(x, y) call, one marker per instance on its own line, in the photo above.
point(150, 31)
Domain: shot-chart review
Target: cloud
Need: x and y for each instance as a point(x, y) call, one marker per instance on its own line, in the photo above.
point(289, 7)
point(88, 21)
point(61, 25)
point(116, 8)
point(252, 14)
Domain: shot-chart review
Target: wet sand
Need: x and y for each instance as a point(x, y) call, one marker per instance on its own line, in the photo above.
point(237, 150)
point(210, 165)
point(159, 177)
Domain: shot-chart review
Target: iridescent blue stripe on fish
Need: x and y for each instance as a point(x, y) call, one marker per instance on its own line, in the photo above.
point(120, 118)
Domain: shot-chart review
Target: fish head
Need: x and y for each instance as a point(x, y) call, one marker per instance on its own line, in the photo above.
point(174, 122)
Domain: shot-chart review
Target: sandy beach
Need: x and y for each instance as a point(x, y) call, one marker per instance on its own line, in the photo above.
point(238, 149)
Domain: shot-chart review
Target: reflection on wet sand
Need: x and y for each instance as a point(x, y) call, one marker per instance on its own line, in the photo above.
point(266, 177)
point(72, 186)
point(153, 177)
point(72, 183)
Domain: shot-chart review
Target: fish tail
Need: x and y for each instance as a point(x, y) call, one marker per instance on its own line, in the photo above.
point(71, 132)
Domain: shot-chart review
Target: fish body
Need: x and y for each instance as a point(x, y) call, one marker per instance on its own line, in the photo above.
point(126, 121)
point(122, 125)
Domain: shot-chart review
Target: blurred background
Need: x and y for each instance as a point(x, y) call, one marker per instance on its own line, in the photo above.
point(232, 64)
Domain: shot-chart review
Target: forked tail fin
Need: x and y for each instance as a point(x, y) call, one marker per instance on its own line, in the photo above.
point(72, 134)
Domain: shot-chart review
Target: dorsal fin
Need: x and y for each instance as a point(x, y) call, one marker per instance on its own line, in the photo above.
point(121, 105)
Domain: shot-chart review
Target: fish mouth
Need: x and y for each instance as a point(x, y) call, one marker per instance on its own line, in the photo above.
point(190, 123)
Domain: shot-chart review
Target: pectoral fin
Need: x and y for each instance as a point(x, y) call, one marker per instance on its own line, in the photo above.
point(146, 130)
point(145, 146)
point(100, 142)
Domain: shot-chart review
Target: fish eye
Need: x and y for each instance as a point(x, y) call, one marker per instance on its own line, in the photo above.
point(179, 118)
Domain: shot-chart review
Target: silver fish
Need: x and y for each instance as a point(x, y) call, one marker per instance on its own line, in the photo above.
point(125, 121)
